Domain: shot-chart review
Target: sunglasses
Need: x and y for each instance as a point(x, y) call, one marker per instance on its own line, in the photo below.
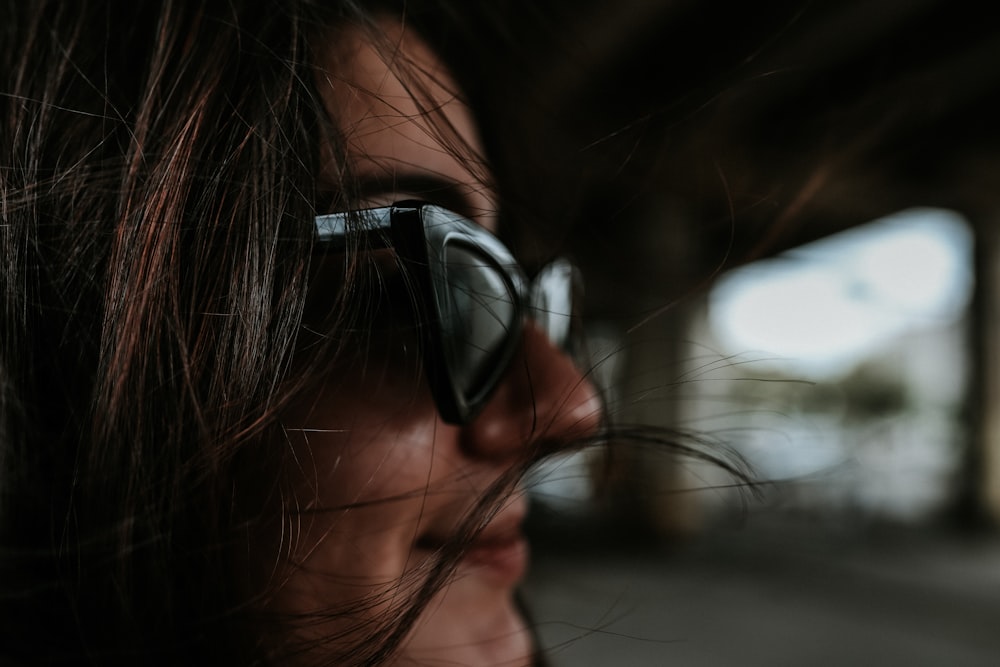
point(472, 297)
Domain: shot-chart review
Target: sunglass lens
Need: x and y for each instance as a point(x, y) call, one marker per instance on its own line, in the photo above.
point(478, 322)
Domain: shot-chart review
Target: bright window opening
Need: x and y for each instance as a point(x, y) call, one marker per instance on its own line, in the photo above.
point(841, 366)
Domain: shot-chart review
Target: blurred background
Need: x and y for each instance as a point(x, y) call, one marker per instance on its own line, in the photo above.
point(789, 221)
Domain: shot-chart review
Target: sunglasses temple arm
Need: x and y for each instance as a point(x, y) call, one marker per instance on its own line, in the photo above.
point(333, 228)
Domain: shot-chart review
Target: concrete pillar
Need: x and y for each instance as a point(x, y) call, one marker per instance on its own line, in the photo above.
point(654, 336)
point(980, 499)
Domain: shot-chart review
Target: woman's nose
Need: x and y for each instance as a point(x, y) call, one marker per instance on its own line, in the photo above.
point(543, 400)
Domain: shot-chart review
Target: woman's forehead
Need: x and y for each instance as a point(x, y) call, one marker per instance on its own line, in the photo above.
point(402, 118)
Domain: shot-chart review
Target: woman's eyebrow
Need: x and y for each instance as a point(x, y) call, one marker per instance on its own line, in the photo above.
point(432, 188)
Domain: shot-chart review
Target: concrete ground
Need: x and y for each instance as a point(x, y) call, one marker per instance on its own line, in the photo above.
point(779, 594)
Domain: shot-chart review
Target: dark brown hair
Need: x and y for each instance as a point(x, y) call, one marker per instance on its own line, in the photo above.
point(159, 160)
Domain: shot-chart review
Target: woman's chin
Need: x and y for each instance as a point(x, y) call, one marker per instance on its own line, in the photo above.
point(470, 622)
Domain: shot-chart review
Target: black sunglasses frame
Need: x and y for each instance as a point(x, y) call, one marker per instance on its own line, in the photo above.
point(420, 234)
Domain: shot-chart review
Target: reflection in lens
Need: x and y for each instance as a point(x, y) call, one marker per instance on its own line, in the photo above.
point(477, 318)
point(552, 301)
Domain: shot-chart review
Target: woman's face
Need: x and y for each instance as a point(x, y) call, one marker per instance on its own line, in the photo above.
point(379, 482)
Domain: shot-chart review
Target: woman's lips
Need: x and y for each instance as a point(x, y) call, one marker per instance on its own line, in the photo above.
point(500, 551)
point(503, 559)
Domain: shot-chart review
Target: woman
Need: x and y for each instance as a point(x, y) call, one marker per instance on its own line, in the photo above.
point(241, 419)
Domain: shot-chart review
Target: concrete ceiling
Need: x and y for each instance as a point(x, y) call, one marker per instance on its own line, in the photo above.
point(680, 137)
